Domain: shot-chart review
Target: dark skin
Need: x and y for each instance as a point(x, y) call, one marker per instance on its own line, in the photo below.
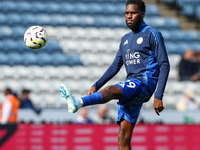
point(134, 19)
point(7, 91)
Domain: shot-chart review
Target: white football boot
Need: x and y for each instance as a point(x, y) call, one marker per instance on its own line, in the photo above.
point(71, 101)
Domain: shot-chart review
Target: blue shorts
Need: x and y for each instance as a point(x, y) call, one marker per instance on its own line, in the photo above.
point(135, 93)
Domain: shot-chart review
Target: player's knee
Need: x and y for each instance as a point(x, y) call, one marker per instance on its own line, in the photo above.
point(109, 88)
point(112, 92)
point(124, 138)
point(113, 89)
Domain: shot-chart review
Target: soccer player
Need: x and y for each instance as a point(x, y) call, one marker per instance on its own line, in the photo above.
point(144, 55)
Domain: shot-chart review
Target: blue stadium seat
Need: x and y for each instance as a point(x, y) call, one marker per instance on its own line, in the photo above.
point(60, 59)
point(5, 32)
point(188, 9)
point(38, 7)
point(187, 36)
point(53, 7)
point(73, 20)
point(81, 8)
point(29, 19)
point(44, 58)
point(192, 35)
point(183, 46)
point(9, 6)
point(24, 7)
point(196, 45)
point(74, 59)
point(10, 45)
point(179, 3)
point(14, 19)
point(52, 46)
point(44, 19)
point(30, 58)
point(18, 31)
point(87, 21)
point(169, 1)
point(3, 59)
point(117, 21)
point(67, 8)
point(172, 23)
point(178, 35)
point(197, 12)
point(110, 1)
point(22, 46)
point(101, 21)
point(152, 10)
point(156, 22)
point(95, 8)
point(120, 9)
point(109, 9)
point(172, 48)
point(1, 5)
point(58, 20)
point(1, 45)
point(3, 19)
point(167, 35)
point(15, 58)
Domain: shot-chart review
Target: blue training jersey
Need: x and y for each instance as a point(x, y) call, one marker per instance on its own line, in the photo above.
point(145, 57)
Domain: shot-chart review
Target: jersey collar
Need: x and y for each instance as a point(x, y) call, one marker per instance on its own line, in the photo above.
point(141, 28)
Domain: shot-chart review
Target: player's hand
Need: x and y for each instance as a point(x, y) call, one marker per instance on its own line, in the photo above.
point(158, 106)
point(92, 90)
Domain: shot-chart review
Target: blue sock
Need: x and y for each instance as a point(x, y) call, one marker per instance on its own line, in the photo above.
point(94, 98)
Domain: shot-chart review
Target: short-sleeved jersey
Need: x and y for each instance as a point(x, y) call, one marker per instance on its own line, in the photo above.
point(144, 55)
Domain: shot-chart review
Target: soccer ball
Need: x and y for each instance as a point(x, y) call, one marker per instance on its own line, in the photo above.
point(35, 37)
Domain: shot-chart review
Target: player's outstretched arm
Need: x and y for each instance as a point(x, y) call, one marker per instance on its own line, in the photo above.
point(158, 106)
point(92, 90)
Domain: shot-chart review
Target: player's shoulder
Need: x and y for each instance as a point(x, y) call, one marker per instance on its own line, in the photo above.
point(152, 30)
point(154, 34)
point(127, 35)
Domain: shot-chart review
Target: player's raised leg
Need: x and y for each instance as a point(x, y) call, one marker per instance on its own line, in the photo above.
point(99, 97)
point(73, 104)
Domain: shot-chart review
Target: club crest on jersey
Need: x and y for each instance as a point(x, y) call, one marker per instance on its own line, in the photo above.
point(139, 40)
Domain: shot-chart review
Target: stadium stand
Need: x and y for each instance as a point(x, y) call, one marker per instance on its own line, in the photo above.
point(82, 43)
point(30, 59)
point(3, 58)
point(6, 32)
point(188, 8)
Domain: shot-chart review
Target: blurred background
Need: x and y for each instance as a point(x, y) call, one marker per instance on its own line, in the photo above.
point(83, 38)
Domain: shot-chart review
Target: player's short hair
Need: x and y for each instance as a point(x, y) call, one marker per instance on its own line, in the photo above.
point(140, 4)
point(8, 90)
point(26, 91)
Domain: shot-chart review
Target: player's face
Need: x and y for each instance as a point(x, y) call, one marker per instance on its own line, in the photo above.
point(134, 17)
